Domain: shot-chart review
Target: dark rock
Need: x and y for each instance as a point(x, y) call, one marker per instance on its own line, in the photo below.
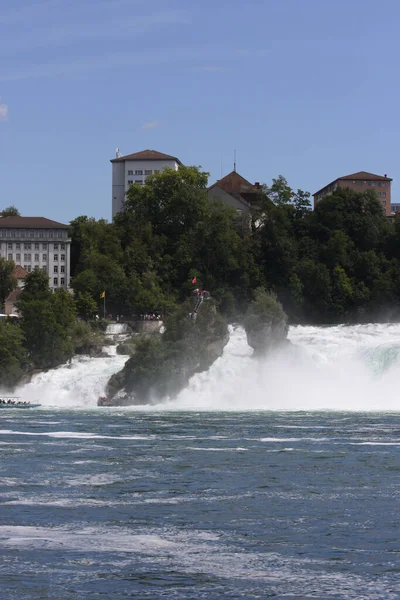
point(163, 365)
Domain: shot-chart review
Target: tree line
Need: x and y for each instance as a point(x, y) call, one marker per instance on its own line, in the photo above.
point(337, 263)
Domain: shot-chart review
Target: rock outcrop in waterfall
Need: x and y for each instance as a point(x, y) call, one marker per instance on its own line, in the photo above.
point(162, 365)
point(266, 323)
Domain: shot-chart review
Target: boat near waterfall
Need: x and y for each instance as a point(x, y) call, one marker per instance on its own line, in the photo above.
point(16, 402)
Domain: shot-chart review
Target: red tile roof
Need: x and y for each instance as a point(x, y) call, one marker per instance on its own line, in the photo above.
point(364, 175)
point(359, 176)
point(30, 223)
point(233, 183)
point(20, 272)
point(13, 297)
point(146, 155)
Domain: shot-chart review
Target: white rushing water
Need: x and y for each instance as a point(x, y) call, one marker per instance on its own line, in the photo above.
point(335, 368)
point(80, 383)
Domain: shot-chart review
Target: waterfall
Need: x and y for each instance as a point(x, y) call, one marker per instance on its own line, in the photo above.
point(82, 382)
point(333, 368)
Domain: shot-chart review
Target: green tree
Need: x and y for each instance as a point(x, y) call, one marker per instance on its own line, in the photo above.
point(317, 290)
point(280, 192)
point(8, 281)
point(13, 358)
point(10, 211)
point(86, 306)
point(342, 291)
point(46, 321)
point(265, 321)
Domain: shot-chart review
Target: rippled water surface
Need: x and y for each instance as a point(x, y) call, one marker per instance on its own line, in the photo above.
point(106, 504)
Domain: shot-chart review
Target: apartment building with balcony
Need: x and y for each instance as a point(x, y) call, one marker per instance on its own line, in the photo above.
point(135, 168)
point(360, 182)
point(37, 242)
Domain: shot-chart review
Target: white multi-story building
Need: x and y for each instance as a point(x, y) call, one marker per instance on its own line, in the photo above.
point(36, 242)
point(135, 168)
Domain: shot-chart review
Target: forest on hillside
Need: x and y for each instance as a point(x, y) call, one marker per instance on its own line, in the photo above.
point(337, 263)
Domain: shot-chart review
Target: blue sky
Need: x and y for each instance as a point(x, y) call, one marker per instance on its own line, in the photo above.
point(303, 88)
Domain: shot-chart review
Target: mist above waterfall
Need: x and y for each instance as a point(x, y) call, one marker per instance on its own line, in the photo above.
point(333, 368)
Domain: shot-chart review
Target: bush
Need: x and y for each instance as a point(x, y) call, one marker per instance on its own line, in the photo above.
point(265, 321)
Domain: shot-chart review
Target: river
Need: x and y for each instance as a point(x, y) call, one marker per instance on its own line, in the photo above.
point(264, 479)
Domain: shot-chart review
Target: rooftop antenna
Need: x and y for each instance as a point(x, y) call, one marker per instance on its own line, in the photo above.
point(234, 160)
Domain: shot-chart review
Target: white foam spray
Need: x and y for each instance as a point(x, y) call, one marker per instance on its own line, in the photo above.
point(333, 368)
point(80, 383)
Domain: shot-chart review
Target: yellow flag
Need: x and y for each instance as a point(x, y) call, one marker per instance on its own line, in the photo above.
point(102, 295)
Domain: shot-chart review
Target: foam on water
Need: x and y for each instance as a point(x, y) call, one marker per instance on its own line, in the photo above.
point(326, 368)
point(340, 368)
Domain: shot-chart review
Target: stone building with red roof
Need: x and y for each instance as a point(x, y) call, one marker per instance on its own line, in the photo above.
point(134, 169)
point(235, 191)
point(359, 182)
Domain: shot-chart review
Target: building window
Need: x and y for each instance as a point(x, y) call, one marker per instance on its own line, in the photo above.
point(18, 257)
point(27, 257)
point(10, 257)
point(55, 246)
point(18, 246)
point(384, 202)
point(44, 269)
point(62, 256)
point(44, 246)
point(139, 172)
point(148, 172)
point(62, 269)
point(139, 181)
point(29, 268)
point(36, 257)
point(156, 171)
point(41, 234)
point(62, 247)
point(10, 246)
point(382, 194)
point(55, 257)
point(27, 246)
point(55, 270)
point(130, 172)
point(62, 281)
point(44, 257)
point(36, 246)
point(130, 182)
point(26, 267)
point(55, 280)
point(60, 235)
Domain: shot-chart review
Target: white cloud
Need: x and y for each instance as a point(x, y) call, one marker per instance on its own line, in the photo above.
point(150, 125)
point(3, 113)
